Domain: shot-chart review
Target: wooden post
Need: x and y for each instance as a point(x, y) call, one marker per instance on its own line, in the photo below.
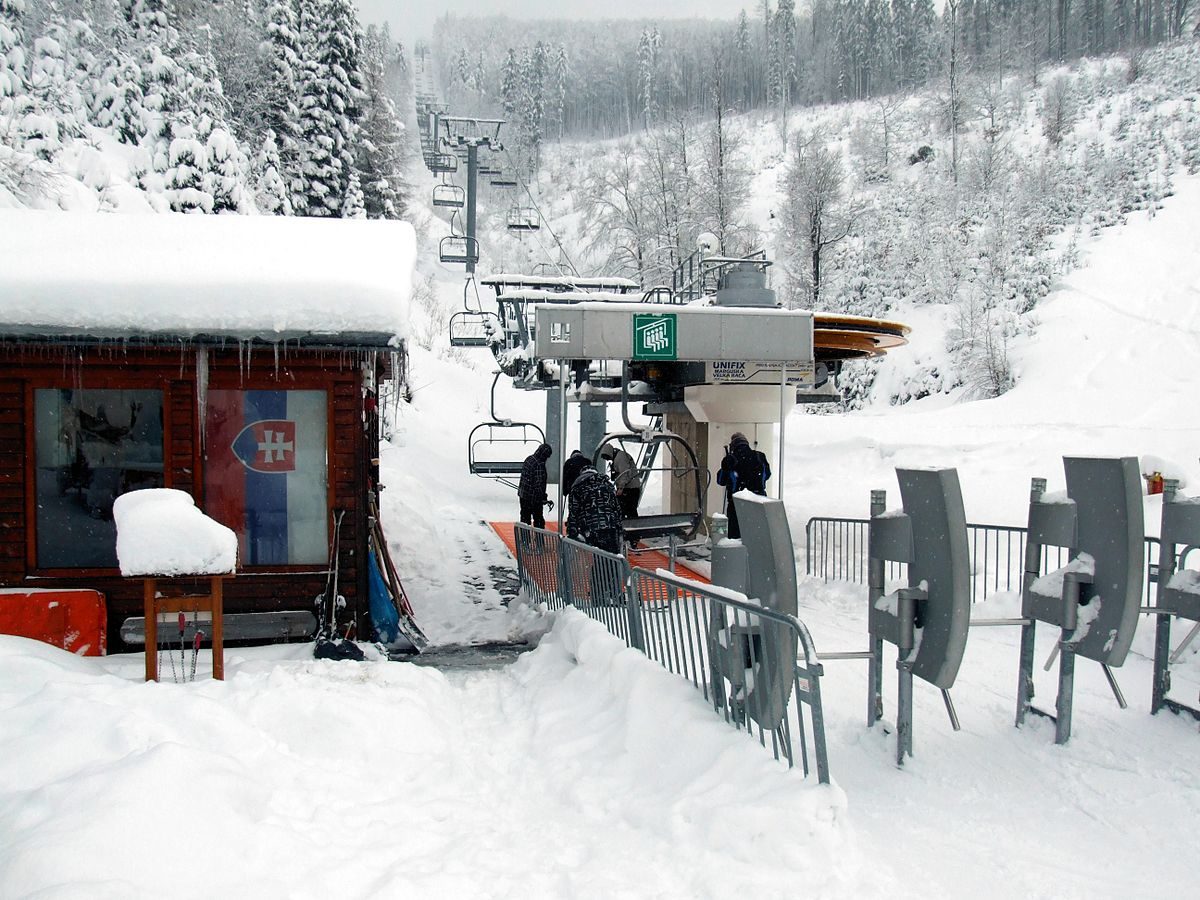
point(213, 602)
point(151, 629)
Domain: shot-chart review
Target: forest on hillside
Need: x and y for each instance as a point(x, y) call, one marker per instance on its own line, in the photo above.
point(272, 106)
point(576, 78)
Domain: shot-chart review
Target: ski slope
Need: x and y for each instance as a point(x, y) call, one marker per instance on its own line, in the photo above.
point(583, 770)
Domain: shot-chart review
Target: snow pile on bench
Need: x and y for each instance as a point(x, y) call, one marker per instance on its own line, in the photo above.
point(161, 532)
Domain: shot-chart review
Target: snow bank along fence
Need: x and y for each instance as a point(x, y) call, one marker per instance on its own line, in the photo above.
point(742, 657)
point(835, 549)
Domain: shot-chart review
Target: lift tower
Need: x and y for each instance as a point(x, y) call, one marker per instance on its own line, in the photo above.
point(465, 136)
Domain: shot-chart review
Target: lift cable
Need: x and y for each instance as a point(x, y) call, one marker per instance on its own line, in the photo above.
point(563, 250)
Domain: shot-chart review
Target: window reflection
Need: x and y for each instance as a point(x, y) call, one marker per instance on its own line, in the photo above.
point(92, 446)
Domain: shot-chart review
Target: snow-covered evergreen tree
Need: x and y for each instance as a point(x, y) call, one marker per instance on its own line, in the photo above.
point(12, 57)
point(380, 152)
point(226, 180)
point(329, 105)
point(273, 197)
point(352, 203)
point(187, 172)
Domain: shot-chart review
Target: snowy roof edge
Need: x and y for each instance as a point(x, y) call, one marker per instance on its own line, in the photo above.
point(108, 276)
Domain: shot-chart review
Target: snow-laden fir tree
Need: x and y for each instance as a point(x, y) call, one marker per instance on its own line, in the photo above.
point(118, 104)
point(329, 105)
point(187, 171)
point(226, 179)
point(381, 136)
point(280, 51)
point(12, 57)
point(272, 195)
point(352, 203)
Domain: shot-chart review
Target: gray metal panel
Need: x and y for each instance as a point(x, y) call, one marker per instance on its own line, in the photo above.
point(1052, 523)
point(771, 579)
point(605, 331)
point(933, 502)
point(891, 538)
point(771, 554)
point(1180, 525)
point(593, 425)
point(1108, 494)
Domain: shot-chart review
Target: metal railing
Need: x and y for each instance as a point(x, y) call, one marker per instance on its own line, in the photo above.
point(743, 658)
point(835, 549)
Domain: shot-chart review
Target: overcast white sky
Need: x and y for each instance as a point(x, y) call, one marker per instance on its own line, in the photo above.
point(414, 18)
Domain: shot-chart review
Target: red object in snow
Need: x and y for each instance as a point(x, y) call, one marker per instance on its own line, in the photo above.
point(1154, 483)
point(75, 620)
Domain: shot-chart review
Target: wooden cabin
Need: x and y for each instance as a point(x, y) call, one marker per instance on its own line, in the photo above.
point(238, 358)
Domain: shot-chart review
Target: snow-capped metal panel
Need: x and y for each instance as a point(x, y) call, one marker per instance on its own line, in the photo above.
point(695, 333)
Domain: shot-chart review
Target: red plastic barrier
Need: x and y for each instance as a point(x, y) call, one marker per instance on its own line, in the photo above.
point(74, 620)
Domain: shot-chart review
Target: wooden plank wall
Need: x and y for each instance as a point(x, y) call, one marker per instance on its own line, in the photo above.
point(353, 432)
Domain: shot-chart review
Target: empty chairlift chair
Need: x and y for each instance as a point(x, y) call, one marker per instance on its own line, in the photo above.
point(469, 328)
point(521, 218)
point(441, 162)
point(501, 180)
point(449, 195)
point(498, 449)
point(458, 249)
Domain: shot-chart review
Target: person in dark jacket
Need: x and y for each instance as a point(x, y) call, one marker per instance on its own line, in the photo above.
point(596, 520)
point(571, 469)
point(531, 489)
point(742, 469)
point(595, 517)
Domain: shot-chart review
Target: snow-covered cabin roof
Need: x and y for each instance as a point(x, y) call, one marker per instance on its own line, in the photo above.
point(561, 282)
point(271, 278)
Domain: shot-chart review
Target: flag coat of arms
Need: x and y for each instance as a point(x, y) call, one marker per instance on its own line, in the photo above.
point(266, 473)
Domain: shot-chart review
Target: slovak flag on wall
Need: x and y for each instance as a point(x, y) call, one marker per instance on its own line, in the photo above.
point(266, 473)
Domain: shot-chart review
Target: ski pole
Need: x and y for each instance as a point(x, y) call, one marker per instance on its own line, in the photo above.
point(195, 653)
point(182, 655)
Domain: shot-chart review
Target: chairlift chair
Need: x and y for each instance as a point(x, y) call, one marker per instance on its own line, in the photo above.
point(501, 180)
point(523, 219)
point(681, 462)
point(450, 195)
point(497, 449)
point(458, 249)
point(441, 162)
point(469, 328)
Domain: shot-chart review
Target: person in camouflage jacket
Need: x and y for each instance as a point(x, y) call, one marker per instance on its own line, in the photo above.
point(595, 516)
point(531, 489)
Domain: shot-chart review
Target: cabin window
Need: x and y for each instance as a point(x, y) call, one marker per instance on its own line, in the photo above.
point(266, 473)
point(92, 445)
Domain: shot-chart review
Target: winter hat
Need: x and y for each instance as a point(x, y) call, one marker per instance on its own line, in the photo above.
point(545, 451)
point(738, 436)
point(608, 452)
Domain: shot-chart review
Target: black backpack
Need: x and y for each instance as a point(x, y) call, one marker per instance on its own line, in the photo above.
point(747, 463)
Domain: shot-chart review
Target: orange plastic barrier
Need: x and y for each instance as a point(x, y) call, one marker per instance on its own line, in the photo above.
point(75, 620)
point(646, 559)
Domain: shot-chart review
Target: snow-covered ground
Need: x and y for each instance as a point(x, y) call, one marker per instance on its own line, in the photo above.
point(582, 770)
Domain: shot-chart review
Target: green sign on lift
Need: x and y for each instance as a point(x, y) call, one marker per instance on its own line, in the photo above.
point(654, 336)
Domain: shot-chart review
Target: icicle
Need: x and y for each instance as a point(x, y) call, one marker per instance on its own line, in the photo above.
point(202, 390)
point(276, 348)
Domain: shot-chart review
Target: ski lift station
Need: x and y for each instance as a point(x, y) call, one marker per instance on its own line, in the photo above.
point(127, 364)
point(257, 395)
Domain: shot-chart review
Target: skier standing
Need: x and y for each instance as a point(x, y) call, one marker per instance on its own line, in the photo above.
point(571, 469)
point(624, 474)
point(742, 469)
point(595, 515)
point(531, 490)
